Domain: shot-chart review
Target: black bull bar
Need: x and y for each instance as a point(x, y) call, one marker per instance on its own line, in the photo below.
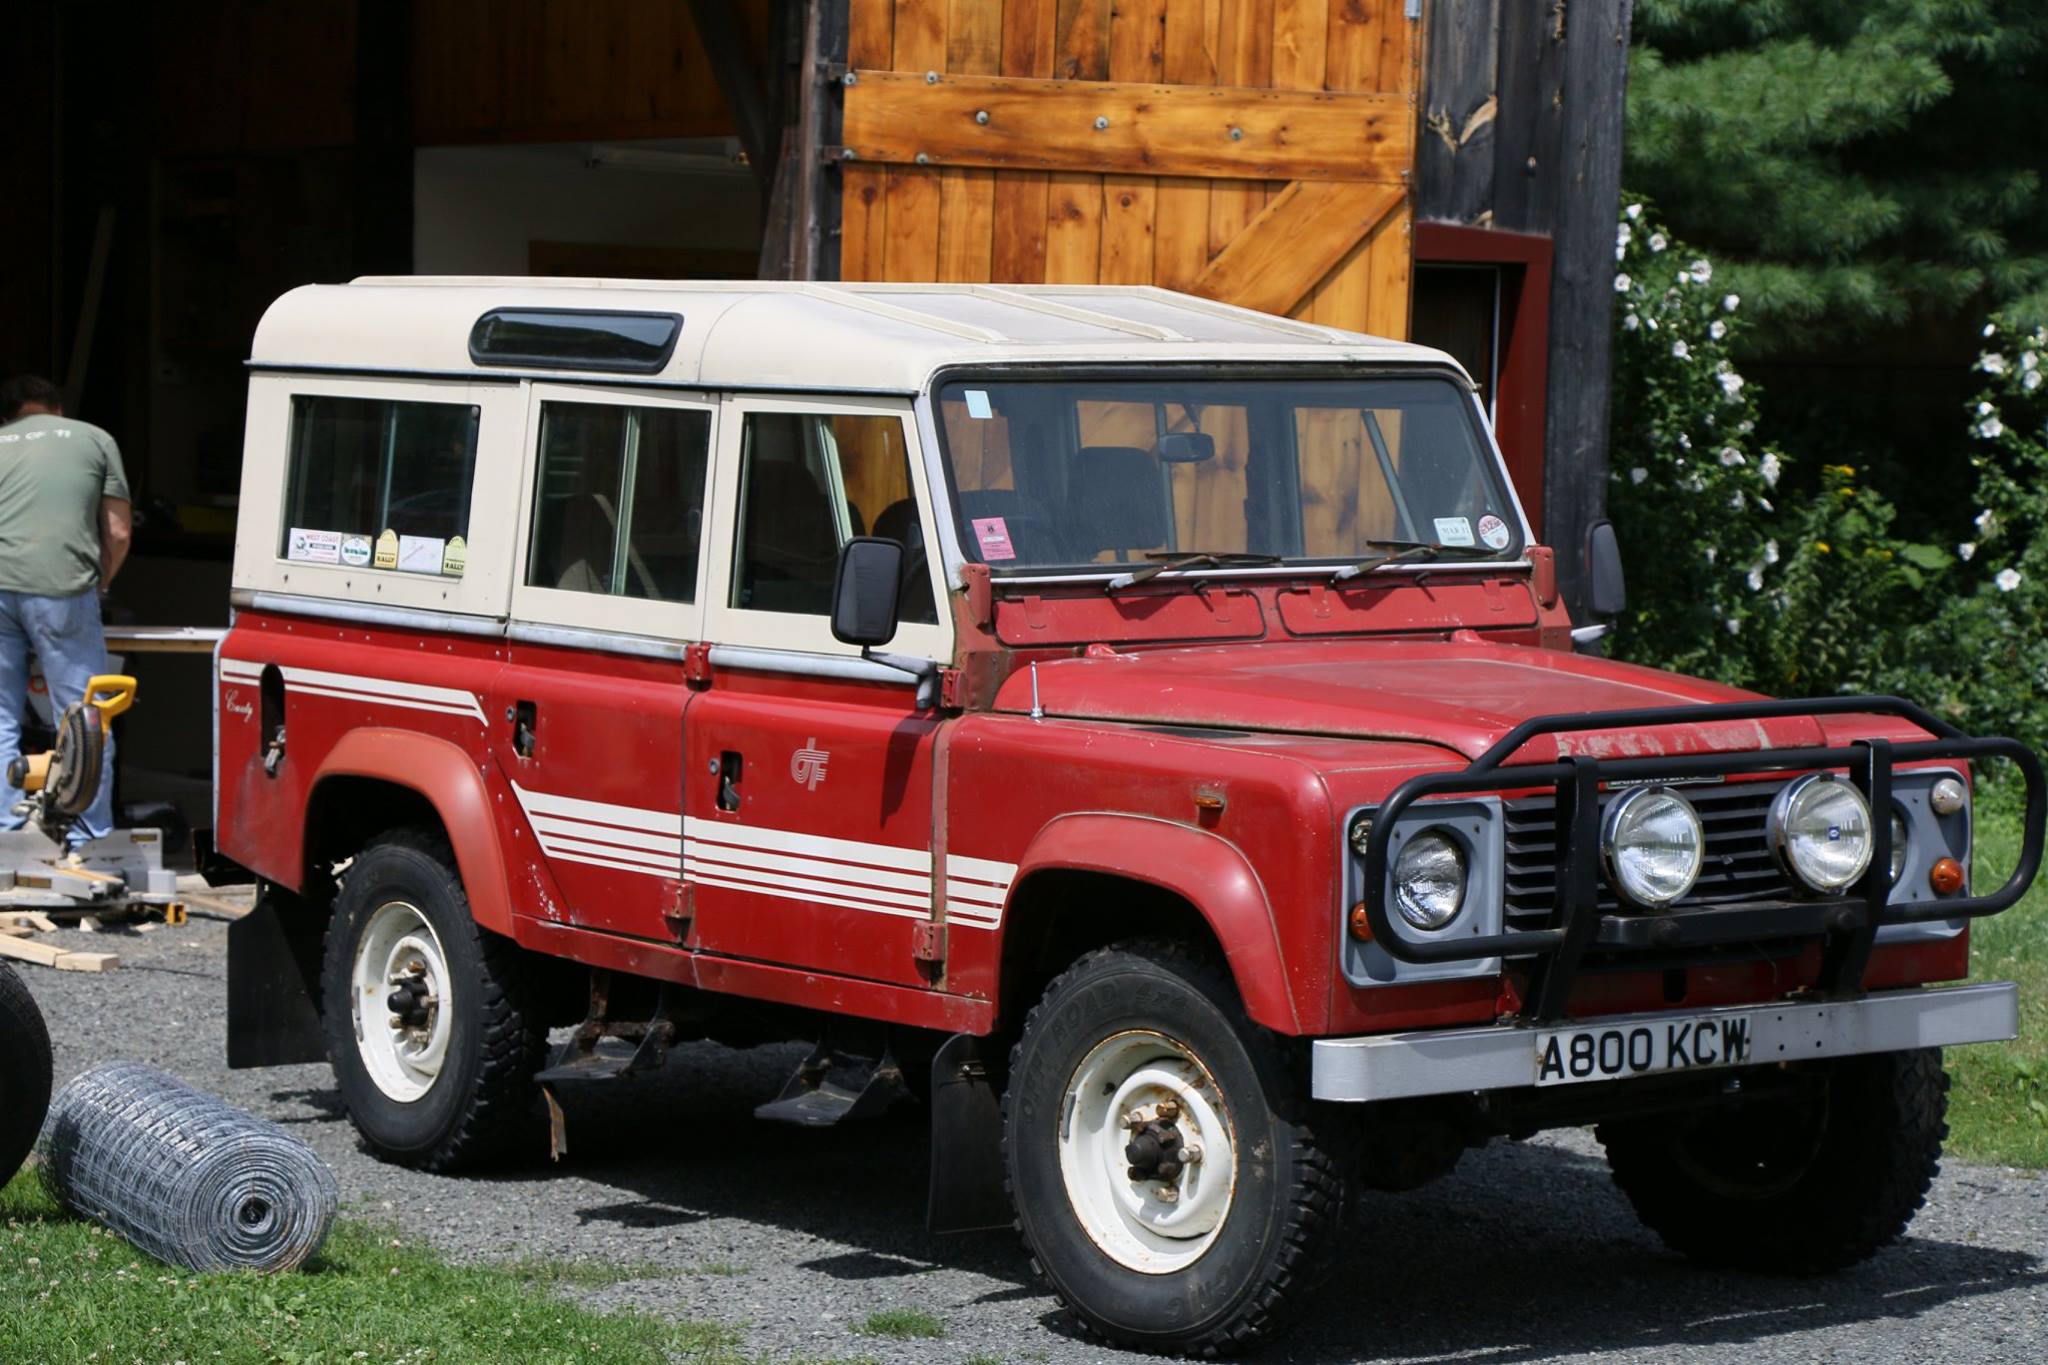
point(1847, 924)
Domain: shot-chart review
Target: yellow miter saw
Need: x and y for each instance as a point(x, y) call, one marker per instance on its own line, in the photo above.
point(121, 870)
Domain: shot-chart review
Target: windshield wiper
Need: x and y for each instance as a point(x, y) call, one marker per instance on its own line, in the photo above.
point(1410, 552)
point(1164, 560)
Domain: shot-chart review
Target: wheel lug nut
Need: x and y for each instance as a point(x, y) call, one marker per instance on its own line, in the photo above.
point(1134, 1119)
point(398, 1021)
point(1190, 1154)
point(1169, 1110)
point(1166, 1194)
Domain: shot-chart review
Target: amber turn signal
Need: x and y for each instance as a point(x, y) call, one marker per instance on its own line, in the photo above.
point(1946, 876)
point(1361, 923)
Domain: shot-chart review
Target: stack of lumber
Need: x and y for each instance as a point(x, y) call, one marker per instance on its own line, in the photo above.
point(18, 929)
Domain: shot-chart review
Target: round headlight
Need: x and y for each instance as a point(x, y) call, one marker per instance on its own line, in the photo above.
point(1653, 846)
point(1820, 827)
point(1429, 880)
point(1900, 836)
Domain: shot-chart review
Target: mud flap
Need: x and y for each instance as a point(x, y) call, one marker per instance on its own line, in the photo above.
point(967, 1192)
point(274, 984)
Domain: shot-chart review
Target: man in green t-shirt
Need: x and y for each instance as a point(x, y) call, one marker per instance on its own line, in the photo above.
point(64, 529)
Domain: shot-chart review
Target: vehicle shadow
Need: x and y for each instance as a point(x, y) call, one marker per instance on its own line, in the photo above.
point(1527, 1251)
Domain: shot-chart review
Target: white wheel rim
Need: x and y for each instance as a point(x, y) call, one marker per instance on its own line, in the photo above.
point(1155, 1226)
point(398, 945)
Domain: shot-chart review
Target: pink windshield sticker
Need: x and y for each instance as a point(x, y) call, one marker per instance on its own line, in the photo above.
point(994, 535)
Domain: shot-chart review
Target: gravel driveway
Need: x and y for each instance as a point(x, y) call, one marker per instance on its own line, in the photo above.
point(1527, 1253)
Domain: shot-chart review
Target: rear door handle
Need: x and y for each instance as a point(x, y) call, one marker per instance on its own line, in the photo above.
point(524, 717)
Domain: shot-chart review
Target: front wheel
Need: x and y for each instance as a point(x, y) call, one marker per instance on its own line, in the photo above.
point(1797, 1184)
point(1165, 1176)
point(430, 1024)
point(24, 1072)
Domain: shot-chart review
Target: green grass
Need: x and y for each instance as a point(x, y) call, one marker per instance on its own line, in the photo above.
point(72, 1292)
point(1998, 1100)
point(901, 1324)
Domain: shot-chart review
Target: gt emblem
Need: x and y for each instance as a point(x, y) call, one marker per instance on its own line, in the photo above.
point(807, 765)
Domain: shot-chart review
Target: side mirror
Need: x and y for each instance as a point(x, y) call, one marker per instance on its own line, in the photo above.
point(1185, 447)
point(864, 593)
point(1606, 594)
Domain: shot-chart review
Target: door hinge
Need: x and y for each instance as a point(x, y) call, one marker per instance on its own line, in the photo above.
point(697, 665)
point(952, 689)
point(1414, 9)
point(680, 909)
point(928, 943)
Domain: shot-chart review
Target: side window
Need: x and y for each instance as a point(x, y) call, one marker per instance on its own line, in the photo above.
point(619, 506)
point(377, 482)
point(809, 482)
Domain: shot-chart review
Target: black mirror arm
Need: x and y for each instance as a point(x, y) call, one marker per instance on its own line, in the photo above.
point(924, 670)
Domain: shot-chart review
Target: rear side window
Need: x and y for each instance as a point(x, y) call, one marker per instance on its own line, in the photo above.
point(380, 483)
point(620, 509)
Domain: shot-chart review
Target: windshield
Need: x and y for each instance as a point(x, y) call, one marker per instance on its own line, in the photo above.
point(1058, 472)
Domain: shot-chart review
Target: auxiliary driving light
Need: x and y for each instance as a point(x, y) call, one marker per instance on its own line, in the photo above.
point(1653, 846)
point(1429, 879)
point(1947, 796)
point(1821, 831)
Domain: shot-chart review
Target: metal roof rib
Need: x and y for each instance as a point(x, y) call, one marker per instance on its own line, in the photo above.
point(868, 303)
point(1017, 298)
point(1195, 303)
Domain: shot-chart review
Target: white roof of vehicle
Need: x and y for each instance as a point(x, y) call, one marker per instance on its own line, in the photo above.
point(871, 337)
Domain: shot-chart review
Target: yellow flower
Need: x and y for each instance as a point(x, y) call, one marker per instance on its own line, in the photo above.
point(1822, 546)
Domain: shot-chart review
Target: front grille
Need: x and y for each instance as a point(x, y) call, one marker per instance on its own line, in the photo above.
point(1739, 865)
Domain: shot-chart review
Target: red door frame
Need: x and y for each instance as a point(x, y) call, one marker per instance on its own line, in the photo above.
point(1523, 339)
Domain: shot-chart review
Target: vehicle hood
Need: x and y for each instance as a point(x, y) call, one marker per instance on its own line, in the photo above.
point(1462, 697)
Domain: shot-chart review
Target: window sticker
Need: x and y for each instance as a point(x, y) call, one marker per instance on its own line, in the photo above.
point(1493, 532)
point(993, 533)
point(387, 551)
point(355, 551)
point(1453, 531)
point(977, 404)
point(420, 554)
point(453, 556)
point(313, 547)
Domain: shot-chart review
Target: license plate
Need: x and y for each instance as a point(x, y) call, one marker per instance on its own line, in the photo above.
point(1596, 1053)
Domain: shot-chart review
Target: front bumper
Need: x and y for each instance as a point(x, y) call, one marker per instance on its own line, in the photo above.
point(1505, 1057)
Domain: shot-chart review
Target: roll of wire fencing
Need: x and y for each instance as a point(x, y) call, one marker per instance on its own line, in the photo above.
point(184, 1176)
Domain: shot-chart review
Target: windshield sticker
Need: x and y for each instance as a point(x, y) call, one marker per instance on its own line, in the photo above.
point(387, 551)
point(453, 557)
point(1453, 531)
point(314, 547)
point(1493, 532)
point(355, 551)
point(977, 405)
point(420, 554)
point(994, 535)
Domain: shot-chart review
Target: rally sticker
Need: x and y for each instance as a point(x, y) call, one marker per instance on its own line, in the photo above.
point(994, 535)
point(1453, 531)
point(313, 547)
point(355, 551)
point(387, 551)
point(1494, 532)
point(977, 405)
point(453, 557)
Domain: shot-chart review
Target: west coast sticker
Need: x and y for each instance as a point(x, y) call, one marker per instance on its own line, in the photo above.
point(993, 534)
point(355, 551)
point(313, 547)
point(1493, 532)
point(1453, 531)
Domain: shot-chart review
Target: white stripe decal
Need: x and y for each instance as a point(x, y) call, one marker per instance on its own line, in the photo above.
point(873, 900)
point(597, 812)
point(548, 825)
point(671, 865)
point(453, 701)
point(811, 845)
point(731, 855)
point(808, 897)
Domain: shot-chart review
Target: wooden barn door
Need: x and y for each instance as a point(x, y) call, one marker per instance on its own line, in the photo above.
point(1254, 151)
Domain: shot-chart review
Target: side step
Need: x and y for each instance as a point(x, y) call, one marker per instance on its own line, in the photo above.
point(831, 1087)
point(605, 1049)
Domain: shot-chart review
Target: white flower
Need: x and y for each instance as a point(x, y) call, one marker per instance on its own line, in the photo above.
point(1765, 503)
point(1731, 457)
point(1620, 254)
point(1987, 524)
point(1622, 234)
point(1681, 350)
point(1990, 429)
point(1630, 322)
point(1769, 467)
point(1730, 302)
point(1701, 271)
point(1770, 552)
point(2030, 360)
point(1991, 329)
point(1966, 551)
point(1657, 241)
point(1712, 554)
point(1991, 362)
point(1734, 625)
point(1684, 441)
point(1731, 385)
point(1638, 474)
point(2031, 380)
point(1652, 322)
point(1717, 329)
point(1685, 277)
point(1755, 580)
point(1622, 283)
point(1735, 500)
point(1984, 409)
point(2007, 579)
point(1634, 211)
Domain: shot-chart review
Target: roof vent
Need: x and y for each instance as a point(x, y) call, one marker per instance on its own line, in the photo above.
point(575, 339)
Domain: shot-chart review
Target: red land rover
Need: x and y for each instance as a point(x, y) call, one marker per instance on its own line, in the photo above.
point(1144, 729)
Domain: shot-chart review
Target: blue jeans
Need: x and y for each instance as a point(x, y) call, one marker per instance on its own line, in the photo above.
point(64, 633)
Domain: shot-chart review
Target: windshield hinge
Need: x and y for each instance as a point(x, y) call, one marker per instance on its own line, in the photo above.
point(697, 665)
point(952, 689)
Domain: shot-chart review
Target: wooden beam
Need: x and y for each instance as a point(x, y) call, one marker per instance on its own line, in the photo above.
point(1228, 132)
point(1454, 165)
point(1297, 240)
point(733, 68)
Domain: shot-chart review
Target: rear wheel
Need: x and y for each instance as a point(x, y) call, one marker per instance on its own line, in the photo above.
point(1165, 1177)
point(1794, 1184)
point(24, 1072)
point(430, 1022)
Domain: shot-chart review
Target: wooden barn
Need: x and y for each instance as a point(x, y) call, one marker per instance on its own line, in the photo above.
point(1444, 170)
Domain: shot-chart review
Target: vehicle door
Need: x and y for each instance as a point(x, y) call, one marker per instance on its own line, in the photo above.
point(807, 800)
point(587, 715)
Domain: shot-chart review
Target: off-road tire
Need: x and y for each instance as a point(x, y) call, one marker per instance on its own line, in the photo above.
point(1281, 1227)
point(24, 1072)
point(483, 1100)
point(1715, 1189)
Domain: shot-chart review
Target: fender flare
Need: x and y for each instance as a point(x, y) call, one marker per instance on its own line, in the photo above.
point(451, 782)
point(1206, 870)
